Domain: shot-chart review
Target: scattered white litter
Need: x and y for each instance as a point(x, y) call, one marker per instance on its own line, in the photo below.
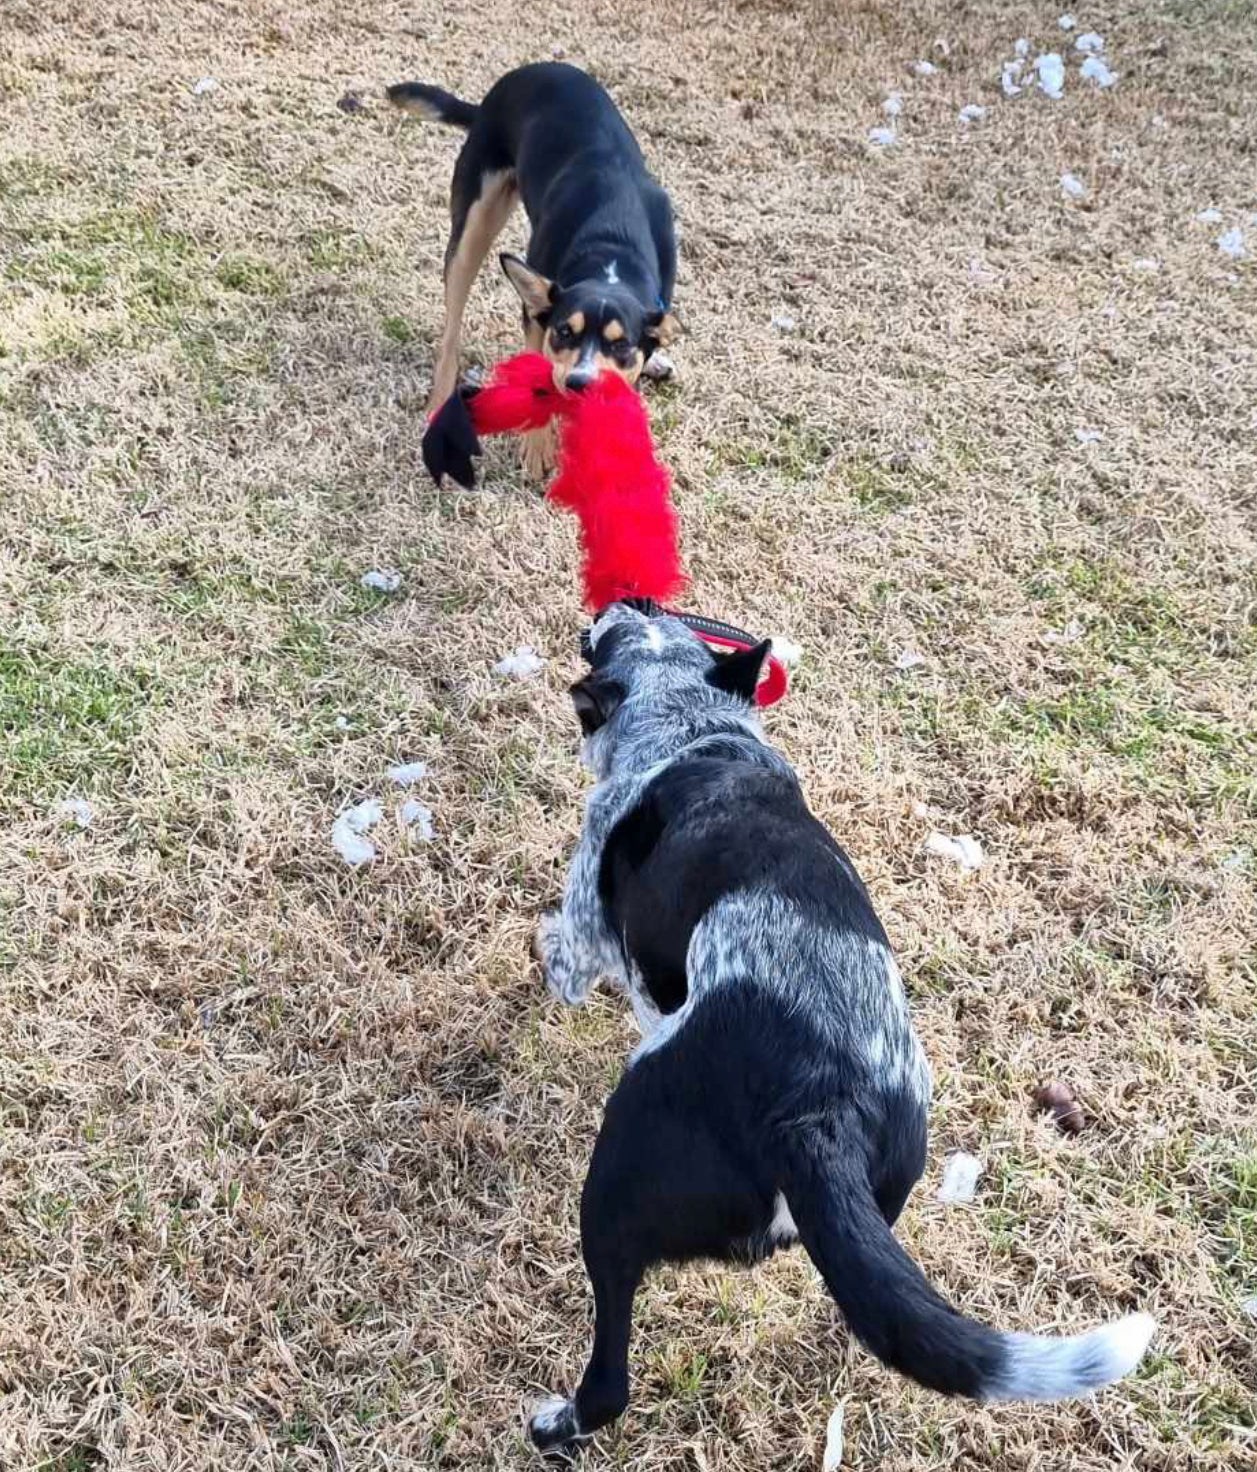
point(520, 664)
point(1009, 78)
point(783, 322)
point(381, 580)
point(942, 45)
point(925, 68)
point(1088, 436)
point(893, 105)
point(206, 84)
point(883, 137)
point(349, 827)
point(965, 851)
point(909, 659)
point(1051, 70)
point(408, 773)
point(1231, 243)
point(1021, 46)
point(1209, 217)
point(971, 112)
point(417, 817)
point(341, 723)
point(1249, 1306)
point(832, 1458)
point(1073, 186)
point(960, 1178)
point(78, 810)
point(1096, 71)
point(1067, 22)
point(786, 650)
point(1146, 263)
point(1070, 634)
point(659, 366)
point(1089, 42)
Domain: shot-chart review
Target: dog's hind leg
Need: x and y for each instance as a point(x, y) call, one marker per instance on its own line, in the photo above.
point(660, 1188)
point(481, 202)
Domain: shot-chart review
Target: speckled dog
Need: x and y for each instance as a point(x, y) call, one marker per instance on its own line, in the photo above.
point(779, 1092)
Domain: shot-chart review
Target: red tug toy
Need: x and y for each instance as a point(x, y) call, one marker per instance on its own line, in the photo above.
point(609, 476)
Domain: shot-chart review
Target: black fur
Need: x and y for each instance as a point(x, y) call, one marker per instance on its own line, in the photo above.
point(603, 243)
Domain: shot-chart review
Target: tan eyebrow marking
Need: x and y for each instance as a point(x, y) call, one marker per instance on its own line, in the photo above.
point(577, 322)
point(613, 331)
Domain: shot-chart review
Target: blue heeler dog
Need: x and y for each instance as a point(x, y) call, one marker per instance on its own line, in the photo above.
point(779, 1093)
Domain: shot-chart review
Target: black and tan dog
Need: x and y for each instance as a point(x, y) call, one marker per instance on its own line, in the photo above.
point(597, 283)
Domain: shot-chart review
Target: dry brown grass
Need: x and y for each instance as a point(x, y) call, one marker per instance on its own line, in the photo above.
point(289, 1154)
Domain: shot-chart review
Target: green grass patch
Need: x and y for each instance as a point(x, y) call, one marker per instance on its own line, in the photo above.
point(66, 724)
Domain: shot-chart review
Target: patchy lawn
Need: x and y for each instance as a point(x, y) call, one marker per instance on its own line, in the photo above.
point(290, 1152)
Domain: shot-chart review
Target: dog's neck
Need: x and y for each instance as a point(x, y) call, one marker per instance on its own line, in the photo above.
point(637, 739)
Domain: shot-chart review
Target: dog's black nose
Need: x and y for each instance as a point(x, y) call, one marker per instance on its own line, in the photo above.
point(579, 379)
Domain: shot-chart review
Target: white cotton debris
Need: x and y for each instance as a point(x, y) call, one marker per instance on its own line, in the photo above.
point(1088, 436)
point(1051, 70)
point(909, 659)
point(960, 1178)
point(1209, 217)
point(408, 773)
point(1089, 42)
point(204, 86)
point(1146, 263)
point(1249, 1306)
point(519, 664)
point(832, 1458)
point(381, 580)
point(882, 137)
point(783, 322)
point(1231, 243)
point(1067, 22)
point(78, 810)
point(1095, 70)
point(1021, 46)
point(925, 68)
point(1072, 185)
point(417, 818)
point(964, 851)
point(341, 723)
point(1009, 78)
point(893, 105)
point(971, 112)
point(786, 650)
point(349, 828)
point(1070, 634)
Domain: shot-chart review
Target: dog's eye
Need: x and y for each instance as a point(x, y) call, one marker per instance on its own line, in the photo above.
point(563, 333)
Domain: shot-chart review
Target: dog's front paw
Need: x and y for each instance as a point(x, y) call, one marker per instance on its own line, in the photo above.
point(545, 937)
point(555, 1431)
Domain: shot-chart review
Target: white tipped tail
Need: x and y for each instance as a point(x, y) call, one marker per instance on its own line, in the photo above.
point(1038, 1368)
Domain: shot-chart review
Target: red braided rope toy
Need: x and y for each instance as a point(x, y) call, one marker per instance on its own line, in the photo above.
point(609, 476)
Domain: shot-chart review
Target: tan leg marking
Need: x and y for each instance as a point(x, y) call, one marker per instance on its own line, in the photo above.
point(539, 447)
point(484, 222)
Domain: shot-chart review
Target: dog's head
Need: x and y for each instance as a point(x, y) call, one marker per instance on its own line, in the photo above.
point(590, 327)
point(654, 686)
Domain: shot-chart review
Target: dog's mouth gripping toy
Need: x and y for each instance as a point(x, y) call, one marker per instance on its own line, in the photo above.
point(609, 476)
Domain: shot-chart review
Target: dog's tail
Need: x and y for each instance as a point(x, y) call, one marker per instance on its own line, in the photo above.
point(433, 104)
point(895, 1313)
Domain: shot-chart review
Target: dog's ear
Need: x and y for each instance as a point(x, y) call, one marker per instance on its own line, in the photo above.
point(738, 674)
point(596, 699)
point(535, 290)
point(662, 328)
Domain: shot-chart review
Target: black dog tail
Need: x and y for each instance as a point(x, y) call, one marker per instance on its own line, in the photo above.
point(432, 104)
point(895, 1313)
